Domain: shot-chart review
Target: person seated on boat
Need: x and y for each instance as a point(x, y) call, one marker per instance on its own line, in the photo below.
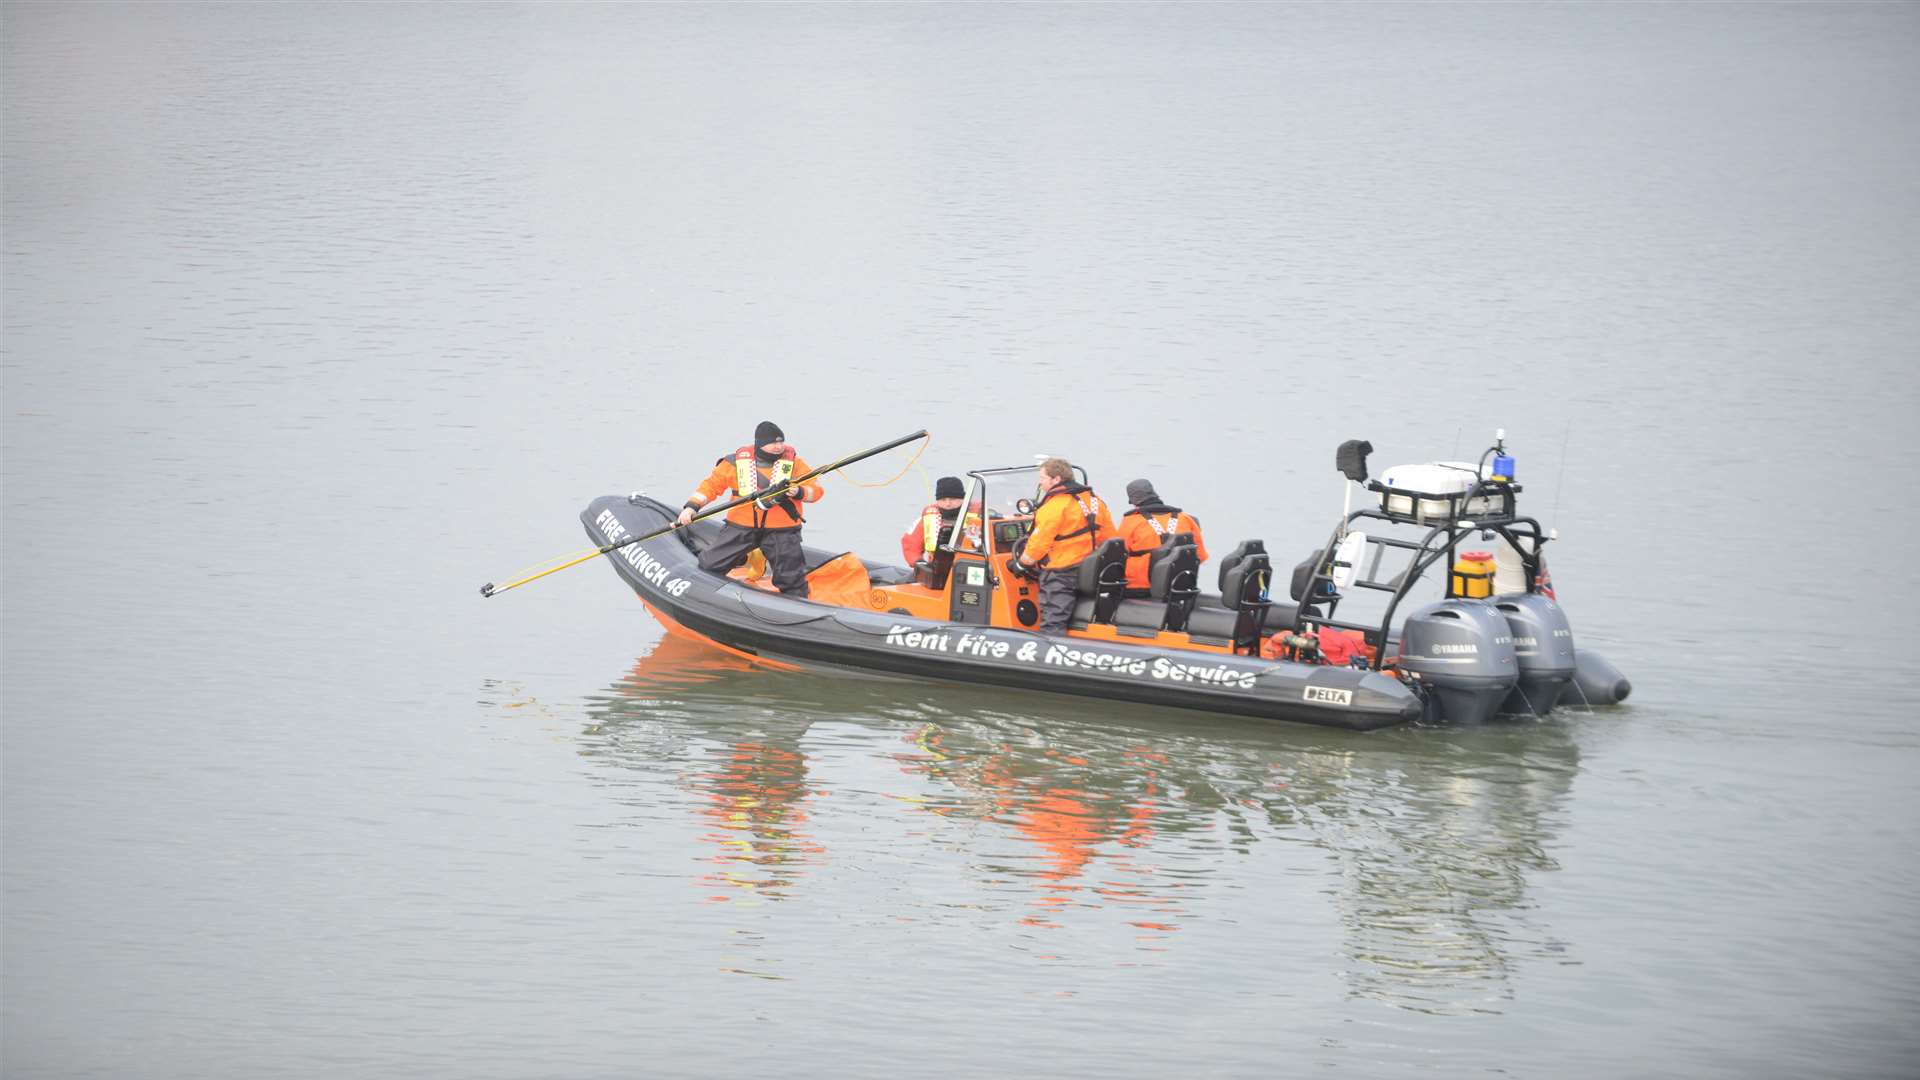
point(1149, 524)
point(1067, 525)
point(769, 524)
point(936, 520)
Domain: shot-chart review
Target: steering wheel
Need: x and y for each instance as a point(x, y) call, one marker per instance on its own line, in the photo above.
point(1019, 553)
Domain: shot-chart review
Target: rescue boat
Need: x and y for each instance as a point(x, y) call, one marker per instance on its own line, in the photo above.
point(964, 616)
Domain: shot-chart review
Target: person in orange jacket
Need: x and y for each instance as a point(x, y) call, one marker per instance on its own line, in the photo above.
point(936, 521)
point(1067, 525)
point(1148, 525)
point(770, 524)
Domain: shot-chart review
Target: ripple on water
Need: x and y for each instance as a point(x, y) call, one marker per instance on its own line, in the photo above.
point(1098, 825)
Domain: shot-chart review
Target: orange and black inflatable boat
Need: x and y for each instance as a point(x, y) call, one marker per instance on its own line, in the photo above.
point(1497, 642)
point(964, 617)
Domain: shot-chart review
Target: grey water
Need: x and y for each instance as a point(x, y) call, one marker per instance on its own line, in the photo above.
point(316, 317)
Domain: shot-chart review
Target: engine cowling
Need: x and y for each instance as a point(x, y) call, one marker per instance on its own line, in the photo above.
point(1461, 652)
point(1543, 648)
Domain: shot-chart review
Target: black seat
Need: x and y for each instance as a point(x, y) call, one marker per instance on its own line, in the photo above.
point(1168, 540)
point(882, 574)
point(1103, 576)
point(1308, 574)
point(933, 572)
point(1174, 573)
point(1245, 575)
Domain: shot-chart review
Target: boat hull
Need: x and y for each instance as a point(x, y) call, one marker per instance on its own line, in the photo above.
point(665, 574)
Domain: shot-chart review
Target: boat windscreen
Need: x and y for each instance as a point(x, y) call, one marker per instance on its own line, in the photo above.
point(1006, 487)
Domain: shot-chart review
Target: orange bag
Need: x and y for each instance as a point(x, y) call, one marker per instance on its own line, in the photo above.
point(841, 581)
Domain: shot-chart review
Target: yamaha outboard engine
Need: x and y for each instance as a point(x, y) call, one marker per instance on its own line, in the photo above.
point(1462, 653)
point(1543, 646)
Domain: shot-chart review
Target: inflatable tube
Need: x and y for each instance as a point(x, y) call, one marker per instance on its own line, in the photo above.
point(665, 574)
point(1595, 681)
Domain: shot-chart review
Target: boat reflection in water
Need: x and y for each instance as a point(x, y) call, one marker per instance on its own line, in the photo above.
point(1092, 814)
point(750, 780)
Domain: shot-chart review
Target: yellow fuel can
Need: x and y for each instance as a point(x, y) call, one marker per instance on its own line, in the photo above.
point(1472, 575)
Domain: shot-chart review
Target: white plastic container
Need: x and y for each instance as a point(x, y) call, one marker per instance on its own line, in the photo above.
point(1418, 491)
point(1510, 570)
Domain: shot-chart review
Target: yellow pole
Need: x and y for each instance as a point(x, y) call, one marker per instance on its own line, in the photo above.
point(489, 589)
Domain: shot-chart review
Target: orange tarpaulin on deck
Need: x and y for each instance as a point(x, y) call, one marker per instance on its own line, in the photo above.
point(841, 581)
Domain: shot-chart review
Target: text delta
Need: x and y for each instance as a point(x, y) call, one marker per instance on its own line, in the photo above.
point(1328, 695)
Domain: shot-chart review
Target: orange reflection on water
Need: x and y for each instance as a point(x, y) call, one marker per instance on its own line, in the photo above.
point(754, 795)
point(756, 803)
point(1073, 813)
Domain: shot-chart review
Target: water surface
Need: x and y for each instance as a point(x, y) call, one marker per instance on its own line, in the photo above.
point(315, 318)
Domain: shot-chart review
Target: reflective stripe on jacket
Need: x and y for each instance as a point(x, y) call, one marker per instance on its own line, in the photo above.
point(1144, 527)
point(920, 539)
point(1069, 523)
point(742, 474)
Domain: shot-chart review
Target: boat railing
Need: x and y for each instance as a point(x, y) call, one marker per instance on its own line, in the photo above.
point(1320, 598)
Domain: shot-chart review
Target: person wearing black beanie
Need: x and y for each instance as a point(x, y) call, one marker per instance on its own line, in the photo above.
point(770, 522)
point(1150, 524)
point(921, 540)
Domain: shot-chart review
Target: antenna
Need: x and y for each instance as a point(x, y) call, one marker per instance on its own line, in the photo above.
point(1560, 482)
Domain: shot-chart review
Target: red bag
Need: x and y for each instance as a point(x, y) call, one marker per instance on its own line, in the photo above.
point(1341, 646)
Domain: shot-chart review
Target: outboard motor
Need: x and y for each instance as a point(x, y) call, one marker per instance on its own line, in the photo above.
point(1462, 651)
point(1543, 646)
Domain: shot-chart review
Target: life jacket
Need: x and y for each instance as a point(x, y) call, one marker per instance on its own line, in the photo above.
point(1163, 521)
point(920, 543)
point(932, 524)
point(746, 473)
point(746, 482)
point(739, 474)
point(1161, 518)
point(1089, 508)
point(1090, 511)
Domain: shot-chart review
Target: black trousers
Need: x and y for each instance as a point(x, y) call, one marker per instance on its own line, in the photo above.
point(780, 546)
point(1058, 591)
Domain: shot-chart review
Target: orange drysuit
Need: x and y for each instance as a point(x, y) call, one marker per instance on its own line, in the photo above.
point(1069, 523)
point(742, 475)
point(1143, 528)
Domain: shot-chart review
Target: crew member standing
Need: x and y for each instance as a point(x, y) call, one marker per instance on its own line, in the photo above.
point(923, 536)
point(1148, 525)
point(770, 524)
point(1067, 525)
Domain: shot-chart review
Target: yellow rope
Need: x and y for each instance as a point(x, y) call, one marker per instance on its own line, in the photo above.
point(911, 462)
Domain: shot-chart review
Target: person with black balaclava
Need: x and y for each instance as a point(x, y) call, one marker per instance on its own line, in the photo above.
point(770, 524)
point(1149, 524)
point(936, 521)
